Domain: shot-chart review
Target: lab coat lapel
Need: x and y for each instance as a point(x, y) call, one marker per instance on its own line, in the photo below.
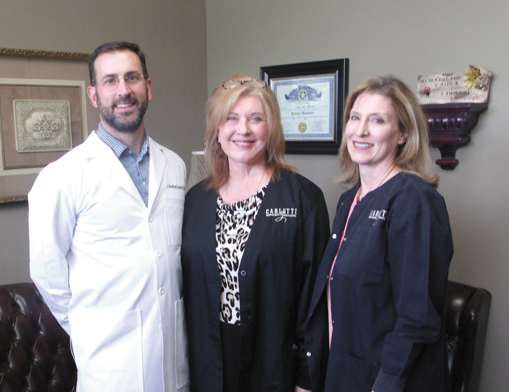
point(157, 170)
point(104, 161)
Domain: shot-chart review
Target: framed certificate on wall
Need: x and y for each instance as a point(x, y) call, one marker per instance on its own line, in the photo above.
point(311, 98)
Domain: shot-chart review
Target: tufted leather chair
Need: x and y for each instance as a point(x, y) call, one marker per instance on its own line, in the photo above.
point(35, 354)
point(34, 350)
point(466, 318)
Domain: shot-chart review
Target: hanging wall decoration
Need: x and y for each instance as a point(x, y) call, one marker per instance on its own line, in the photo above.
point(453, 103)
point(43, 113)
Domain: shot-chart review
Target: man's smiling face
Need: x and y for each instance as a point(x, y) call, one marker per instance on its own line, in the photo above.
point(122, 106)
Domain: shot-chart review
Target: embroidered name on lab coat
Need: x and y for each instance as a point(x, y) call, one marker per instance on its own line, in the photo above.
point(176, 187)
point(281, 214)
point(377, 214)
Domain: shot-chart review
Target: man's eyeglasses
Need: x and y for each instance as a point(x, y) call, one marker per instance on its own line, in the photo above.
point(236, 83)
point(131, 80)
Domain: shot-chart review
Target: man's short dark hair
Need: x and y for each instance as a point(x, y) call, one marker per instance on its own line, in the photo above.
point(116, 46)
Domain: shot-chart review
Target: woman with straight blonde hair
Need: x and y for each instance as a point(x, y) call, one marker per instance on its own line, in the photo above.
point(375, 319)
point(253, 235)
point(413, 155)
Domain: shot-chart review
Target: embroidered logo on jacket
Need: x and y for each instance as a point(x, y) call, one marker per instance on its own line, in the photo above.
point(281, 214)
point(377, 214)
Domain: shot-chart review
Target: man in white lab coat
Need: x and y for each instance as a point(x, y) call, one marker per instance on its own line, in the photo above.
point(105, 235)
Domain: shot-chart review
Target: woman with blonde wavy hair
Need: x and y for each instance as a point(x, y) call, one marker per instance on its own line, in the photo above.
point(253, 235)
point(376, 313)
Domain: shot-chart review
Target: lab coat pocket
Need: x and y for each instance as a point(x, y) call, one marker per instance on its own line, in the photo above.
point(108, 351)
point(181, 350)
point(174, 211)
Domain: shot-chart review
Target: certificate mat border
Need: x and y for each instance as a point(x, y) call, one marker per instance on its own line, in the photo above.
point(340, 69)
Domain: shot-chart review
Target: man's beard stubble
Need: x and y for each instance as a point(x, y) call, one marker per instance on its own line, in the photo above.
point(119, 122)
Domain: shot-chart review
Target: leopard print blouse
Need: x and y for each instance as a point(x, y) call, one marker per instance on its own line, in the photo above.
point(233, 225)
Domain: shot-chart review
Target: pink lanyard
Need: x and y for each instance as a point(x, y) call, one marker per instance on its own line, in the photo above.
point(329, 306)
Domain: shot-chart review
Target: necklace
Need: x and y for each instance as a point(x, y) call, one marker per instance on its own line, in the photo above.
point(232, 196)
point(261, 179)
point(379, 185)
point(241, 211)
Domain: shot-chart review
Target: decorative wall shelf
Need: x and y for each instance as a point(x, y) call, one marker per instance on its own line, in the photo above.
point(450, 125)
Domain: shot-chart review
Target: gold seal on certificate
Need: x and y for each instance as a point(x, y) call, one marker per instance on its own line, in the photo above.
point(302, 127)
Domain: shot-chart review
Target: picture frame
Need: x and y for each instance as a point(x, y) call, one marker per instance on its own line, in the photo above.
point(311, 98)
point(44, 112)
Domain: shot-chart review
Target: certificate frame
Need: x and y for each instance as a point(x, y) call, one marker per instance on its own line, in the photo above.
point(38, 81)
point(311, 98)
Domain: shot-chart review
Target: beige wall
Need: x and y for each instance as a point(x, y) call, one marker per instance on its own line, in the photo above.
point(403, 38)
point(172, 33)
point(406, 39)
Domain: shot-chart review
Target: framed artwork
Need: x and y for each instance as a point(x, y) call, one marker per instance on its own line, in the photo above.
point(43, 114)
point(311, 98)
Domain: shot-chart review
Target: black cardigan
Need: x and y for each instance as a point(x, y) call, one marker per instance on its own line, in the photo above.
point(387, 293)
point(277, 271)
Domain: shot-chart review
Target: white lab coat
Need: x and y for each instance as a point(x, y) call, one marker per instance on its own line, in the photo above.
point(109, 267)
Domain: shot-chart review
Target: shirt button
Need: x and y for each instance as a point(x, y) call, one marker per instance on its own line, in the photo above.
point(159, 254)
point(246, 321)
point(334, 236)
point(161, 291)
point(144, 183)
point(308, 354)
point(150, 218)
point(243, 273)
